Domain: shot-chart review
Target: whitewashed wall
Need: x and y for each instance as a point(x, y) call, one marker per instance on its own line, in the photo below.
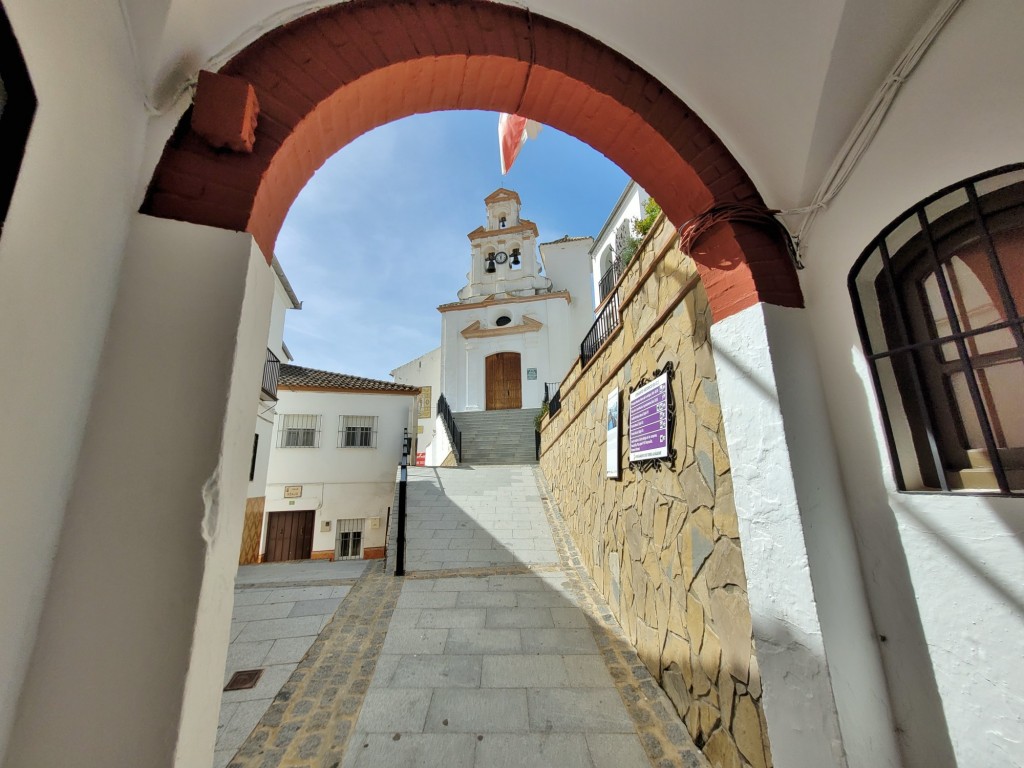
point(424, 371)
point(60, 256)
point(944, 572)
point(339, 483)
point(629, 206)
point(568, 265)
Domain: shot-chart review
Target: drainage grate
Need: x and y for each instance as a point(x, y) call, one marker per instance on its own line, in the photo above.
point(243, 680)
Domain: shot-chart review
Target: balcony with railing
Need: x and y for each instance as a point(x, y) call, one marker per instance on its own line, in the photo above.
point(271, 375)
point(610, 278)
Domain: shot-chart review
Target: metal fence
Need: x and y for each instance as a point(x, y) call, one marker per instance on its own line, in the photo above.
point(607, 321)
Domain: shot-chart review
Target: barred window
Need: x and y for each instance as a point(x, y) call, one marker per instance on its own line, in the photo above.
point(348, 543)
point(357, 432)
point(299, 431)
point(938, 298)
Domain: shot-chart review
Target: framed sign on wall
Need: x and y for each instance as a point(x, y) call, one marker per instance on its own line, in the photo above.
point(612, 448)
point(652, 421)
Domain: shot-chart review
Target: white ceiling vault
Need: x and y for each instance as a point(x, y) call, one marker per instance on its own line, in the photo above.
point(782, 83)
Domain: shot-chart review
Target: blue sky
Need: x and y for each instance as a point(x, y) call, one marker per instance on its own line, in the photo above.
point(377, 239)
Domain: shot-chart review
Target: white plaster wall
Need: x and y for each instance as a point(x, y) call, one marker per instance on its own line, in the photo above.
point(134, 631)
point(275, 338)
point(944, 572)
point(569, 267)
point(798, 700)
point(265, 429)
point(424, 371)
point(339, 483)
point(629, 206)
point(60, 255)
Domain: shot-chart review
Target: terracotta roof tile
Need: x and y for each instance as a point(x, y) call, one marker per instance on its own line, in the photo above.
point(297, 376)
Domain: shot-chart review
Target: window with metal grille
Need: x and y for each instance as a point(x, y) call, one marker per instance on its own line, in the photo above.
point(348, 542)
point(299, 430)
point(938, 298)
point(357, 432)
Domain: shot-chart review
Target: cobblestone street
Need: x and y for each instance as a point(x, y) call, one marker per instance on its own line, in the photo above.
point(493, 651)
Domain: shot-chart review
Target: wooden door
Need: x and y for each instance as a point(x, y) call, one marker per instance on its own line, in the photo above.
point(504, 382)
point(290, 536)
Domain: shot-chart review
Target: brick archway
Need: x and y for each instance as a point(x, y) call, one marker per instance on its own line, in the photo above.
point(333, 75)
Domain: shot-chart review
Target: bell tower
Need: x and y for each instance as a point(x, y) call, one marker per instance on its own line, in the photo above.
point(503, 253)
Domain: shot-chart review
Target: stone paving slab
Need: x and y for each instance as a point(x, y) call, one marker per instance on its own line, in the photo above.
point(474, 663)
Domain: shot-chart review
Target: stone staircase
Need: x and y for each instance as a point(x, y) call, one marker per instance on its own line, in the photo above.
point(498, 437)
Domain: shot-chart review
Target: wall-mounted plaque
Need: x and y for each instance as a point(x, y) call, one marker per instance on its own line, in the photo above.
point(612, 436)
point(531, 374)
point(651, 420)
point(292, 491)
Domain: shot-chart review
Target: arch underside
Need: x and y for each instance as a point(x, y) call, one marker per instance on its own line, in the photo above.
point(329, 77)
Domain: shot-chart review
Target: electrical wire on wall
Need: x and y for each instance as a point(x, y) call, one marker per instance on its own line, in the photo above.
point(866, 128)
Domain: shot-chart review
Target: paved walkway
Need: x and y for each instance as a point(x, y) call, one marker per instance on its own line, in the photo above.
point(279, 611)
point(494, 651)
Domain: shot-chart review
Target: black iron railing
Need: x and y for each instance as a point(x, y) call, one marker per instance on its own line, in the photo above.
point(403, 480)
point(609, 278)
point(271, 375)
point(454, 435)
point(553, 397)
point(607, 321)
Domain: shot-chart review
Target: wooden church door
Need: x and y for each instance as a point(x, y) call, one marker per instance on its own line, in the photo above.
point(504, 382)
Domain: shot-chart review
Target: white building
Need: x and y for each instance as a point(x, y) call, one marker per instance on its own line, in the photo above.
point(136, 293)
point(277, 352)
point(337, 443)
point(425, 373)
point(516, 326)
point(606, 253)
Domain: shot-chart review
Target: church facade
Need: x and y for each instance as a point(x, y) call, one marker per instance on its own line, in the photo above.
point(516, 325)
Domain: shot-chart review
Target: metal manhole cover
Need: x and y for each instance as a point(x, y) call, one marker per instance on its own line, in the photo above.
point(243, 680)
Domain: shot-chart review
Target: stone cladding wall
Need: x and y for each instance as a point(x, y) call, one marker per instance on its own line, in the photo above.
point(663, 546)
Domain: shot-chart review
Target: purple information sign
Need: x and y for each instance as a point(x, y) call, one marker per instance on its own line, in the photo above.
point(648, 420)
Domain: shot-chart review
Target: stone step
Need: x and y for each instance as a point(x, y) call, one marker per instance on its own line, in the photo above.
point(498, 437)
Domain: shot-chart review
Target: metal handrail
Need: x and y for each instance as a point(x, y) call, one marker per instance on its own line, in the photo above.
point(403, 480)
point(609, 278)
point(454, 434)
point(607, 321)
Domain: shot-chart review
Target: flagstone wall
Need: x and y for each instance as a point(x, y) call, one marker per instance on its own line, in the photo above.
point(663, 545)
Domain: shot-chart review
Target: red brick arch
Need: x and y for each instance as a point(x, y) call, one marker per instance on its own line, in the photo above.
point(333, 75)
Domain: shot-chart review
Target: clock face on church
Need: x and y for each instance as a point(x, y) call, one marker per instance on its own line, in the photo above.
point(500, 257)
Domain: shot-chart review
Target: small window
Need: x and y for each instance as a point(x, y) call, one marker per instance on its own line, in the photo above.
point(357, 432)
point(299, 431)
point(503, 321)
point(348, 543)
point(938, 297)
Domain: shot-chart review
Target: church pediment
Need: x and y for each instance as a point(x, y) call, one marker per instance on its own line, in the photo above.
point(501, 194)
point(475, 331)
